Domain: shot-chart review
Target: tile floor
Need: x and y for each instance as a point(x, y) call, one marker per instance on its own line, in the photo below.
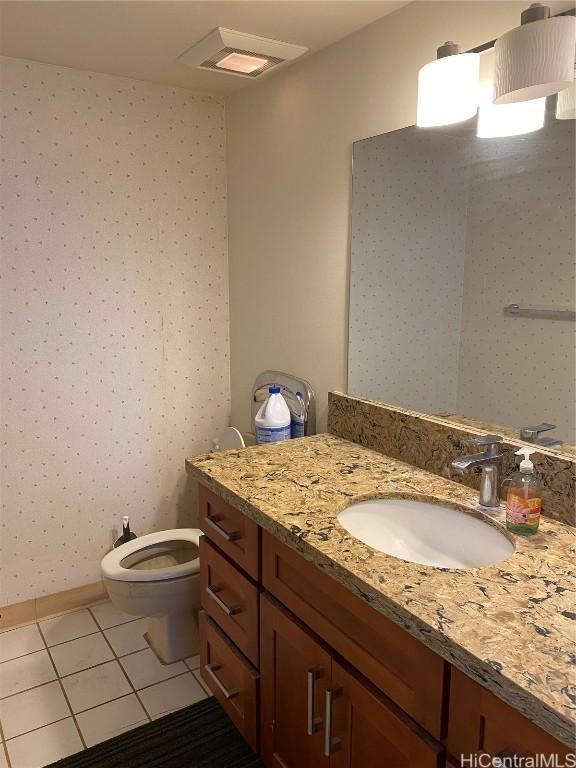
point(76, 679)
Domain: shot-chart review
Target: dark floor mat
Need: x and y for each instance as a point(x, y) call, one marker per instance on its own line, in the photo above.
point(200, 736)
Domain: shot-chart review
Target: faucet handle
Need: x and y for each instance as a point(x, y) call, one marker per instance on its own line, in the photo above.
point(531, 434)
point(491, 444)
point(488, 439)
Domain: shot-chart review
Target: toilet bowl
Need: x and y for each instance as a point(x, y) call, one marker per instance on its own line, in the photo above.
point(157, 575)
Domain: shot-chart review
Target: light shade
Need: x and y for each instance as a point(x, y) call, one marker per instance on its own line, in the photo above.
point(566, 103)
point(534, 60)
point(501, 120)
point(448, 90)
point(242, 62)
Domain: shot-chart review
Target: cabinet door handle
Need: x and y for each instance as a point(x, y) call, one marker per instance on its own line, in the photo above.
point(331, 744)
point(229, 693)
point(228, 610)
point(312, 722)
point(214, 524)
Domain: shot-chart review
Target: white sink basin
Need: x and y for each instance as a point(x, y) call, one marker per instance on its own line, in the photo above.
point(426, 533)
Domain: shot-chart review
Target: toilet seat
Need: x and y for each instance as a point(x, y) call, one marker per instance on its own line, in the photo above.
point(113, 569)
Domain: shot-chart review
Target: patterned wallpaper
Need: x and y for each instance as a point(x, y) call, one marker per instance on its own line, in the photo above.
point(114, 302)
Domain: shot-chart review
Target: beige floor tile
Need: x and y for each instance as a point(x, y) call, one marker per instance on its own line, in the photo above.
point(69, 626)
point(162, 698)
point(45, 746)
point(193, 662)
point(81, 653)
point(96, 686)
point(143, 668)
point(198, 677)
point(32, 709)
point(3, 758)
point(107, 615)
point(19, 642)
point(25, 672)
point(110, 719)
point(127, 638)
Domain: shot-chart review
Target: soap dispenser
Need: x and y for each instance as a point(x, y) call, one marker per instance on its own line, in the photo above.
point(524, 497)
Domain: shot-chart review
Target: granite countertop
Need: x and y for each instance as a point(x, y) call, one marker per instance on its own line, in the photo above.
point(510, 626)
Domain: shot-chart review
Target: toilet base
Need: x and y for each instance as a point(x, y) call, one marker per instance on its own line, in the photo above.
point(174, 637)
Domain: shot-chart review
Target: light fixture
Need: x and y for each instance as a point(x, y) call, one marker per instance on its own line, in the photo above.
point(535, 59)
point(448, 87)
point(239, 54)
point(501, 120)
point(241, 62)
point(566, 102)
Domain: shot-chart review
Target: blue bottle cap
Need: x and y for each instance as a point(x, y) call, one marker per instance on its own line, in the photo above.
point(274, 390)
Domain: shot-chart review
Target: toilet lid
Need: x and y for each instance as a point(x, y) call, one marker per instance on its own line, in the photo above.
point(155, 557)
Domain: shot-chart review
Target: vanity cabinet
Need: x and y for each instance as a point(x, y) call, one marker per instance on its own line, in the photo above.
point(481, 723)
point(410, 674)
point(318, 713)
point(314, 677)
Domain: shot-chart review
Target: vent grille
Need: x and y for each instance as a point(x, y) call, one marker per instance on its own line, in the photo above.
point(210, 63)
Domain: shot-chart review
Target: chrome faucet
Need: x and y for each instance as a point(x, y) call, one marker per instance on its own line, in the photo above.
point(532, 435)
point(491, 462)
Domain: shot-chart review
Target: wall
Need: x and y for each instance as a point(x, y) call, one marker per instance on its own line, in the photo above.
point(114, 313)
point(289, 151)
point(407, 277)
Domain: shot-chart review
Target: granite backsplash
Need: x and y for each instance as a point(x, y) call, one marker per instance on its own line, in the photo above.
point(432, 443)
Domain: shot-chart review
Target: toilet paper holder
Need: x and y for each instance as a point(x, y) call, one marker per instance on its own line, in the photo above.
point(290, 387)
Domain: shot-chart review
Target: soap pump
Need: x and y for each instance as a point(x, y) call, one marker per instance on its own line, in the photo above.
point(524, 497)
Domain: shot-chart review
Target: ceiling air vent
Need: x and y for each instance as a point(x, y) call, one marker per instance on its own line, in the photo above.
point(236, 53)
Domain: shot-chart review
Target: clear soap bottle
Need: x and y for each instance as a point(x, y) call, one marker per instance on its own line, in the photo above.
point(524, 497)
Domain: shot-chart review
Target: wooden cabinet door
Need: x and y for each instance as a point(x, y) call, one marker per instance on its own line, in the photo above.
point(366, 730)
point(482, 724)
point(294, 677)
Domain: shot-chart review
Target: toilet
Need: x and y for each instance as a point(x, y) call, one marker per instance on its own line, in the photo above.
point(157, 575)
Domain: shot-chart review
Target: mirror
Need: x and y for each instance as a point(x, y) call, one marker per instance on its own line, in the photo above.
point(455, 241)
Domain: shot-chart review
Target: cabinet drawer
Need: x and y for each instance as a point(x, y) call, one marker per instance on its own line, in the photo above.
point(236, 535)
point(481, 723)
point(410, 674)
point(231, 679)
point(230, 598)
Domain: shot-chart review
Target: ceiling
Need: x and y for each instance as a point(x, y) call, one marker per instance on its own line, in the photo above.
point(143, 40)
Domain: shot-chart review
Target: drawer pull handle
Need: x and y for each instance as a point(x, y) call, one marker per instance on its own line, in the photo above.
point(312, 722)
point(213, 523)
point(229, 693)
point(331, 744)
point(228, 610)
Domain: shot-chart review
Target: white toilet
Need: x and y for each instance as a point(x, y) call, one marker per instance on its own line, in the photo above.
point(157, 575)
